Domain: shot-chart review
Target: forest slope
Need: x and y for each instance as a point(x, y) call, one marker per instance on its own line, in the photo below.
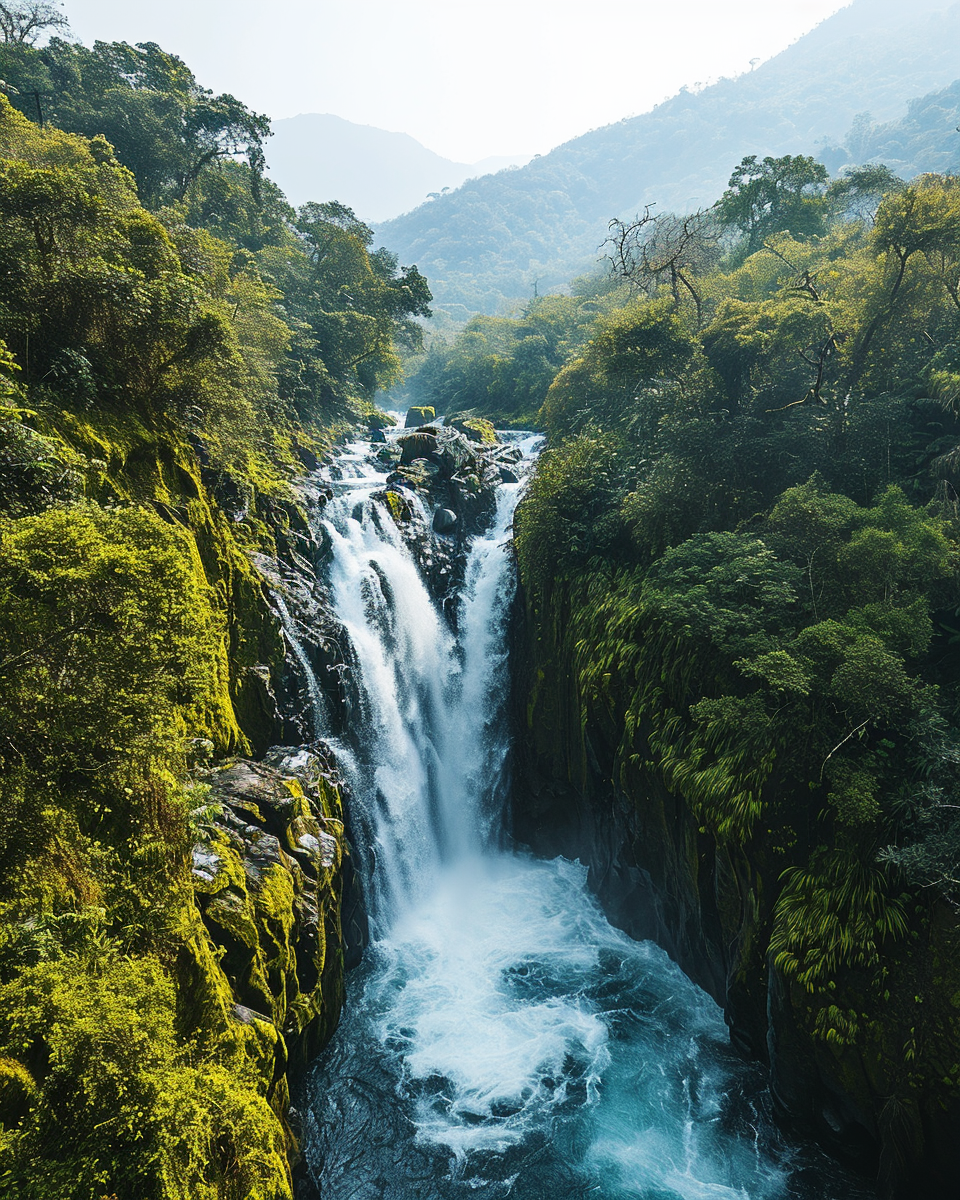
point(176, 345)
point(739, 558)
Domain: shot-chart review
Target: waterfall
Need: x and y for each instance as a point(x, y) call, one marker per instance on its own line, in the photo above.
point(429, 752)
point(501, 1039)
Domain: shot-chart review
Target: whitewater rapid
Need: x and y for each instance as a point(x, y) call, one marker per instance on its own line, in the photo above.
point(501, 1039)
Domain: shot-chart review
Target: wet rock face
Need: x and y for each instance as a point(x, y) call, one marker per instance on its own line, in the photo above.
point(270, 877)
point(654, 875)
point(307, 632)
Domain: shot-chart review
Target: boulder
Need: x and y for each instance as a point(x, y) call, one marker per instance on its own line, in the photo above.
point(444, 520)
point(419, 414)
point(380, 420)
point(416, 445)
point(477, 429)
point(454, 452)
point(397, 503)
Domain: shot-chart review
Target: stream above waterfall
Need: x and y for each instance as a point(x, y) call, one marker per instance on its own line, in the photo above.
point(501, 1038)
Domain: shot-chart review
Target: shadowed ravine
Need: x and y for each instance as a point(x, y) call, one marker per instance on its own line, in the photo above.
point(501, 1038)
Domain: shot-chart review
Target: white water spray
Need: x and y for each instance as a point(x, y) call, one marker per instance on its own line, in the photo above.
point(431, 755)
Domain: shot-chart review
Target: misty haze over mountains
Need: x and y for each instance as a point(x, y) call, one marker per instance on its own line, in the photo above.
point(318, 156)
point(496, 238)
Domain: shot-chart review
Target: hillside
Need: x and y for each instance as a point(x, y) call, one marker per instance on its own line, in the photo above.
point(924, 139)
point(379, 174)
point(494, 237)
point(176, 346)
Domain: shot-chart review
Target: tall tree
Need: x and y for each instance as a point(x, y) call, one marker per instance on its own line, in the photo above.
point(775, 195)
point(347, 304)
point(164, 126)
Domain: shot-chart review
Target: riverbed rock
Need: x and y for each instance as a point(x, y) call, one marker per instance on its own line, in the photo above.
point(419, 414)
point(477, 429)
point(420, 444)
point(398, 504)
point(444, 520)
point(379, 419)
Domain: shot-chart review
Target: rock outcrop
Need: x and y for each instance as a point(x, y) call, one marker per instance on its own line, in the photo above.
point(280, 902)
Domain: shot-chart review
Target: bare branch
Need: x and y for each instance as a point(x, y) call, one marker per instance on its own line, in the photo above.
point(23, 21)
point(653, 250)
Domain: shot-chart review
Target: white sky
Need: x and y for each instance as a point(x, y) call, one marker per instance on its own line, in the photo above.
point(468, 78)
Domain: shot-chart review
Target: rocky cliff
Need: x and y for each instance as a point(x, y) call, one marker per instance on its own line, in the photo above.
point(883, 1098)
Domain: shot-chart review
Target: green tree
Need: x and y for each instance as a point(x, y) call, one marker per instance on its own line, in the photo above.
point(110, 653)
point(347, 305)
point(637, 354)
point(775, 195)
point(162, 124)
point(916, 247)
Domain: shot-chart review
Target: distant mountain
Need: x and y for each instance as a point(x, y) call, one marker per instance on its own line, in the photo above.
point(498, 237)
point(317, 156)
point(926, 139)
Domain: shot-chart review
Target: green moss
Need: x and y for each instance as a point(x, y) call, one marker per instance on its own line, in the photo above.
point(399, 507)
point(478, 429)
point(115, 1057)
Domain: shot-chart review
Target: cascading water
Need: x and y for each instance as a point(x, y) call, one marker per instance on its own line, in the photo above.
point(501, 1038)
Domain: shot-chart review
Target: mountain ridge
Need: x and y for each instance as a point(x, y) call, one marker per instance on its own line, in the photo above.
point(377, 172)
point(496, 238)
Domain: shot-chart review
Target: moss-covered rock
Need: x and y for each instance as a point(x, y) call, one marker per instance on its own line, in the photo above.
point(477, 429)
point(419, 414)
point(269, 882)
point(187, 1054)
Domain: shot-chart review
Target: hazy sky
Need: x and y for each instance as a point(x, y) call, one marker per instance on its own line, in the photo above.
point(468, 78)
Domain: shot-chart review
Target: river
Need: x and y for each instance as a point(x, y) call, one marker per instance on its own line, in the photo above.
point(501, 1038)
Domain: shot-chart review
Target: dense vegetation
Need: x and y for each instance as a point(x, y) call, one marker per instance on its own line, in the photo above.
point(744, 541)
point(175, 342)
point(502, 367)
point(498, 238)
